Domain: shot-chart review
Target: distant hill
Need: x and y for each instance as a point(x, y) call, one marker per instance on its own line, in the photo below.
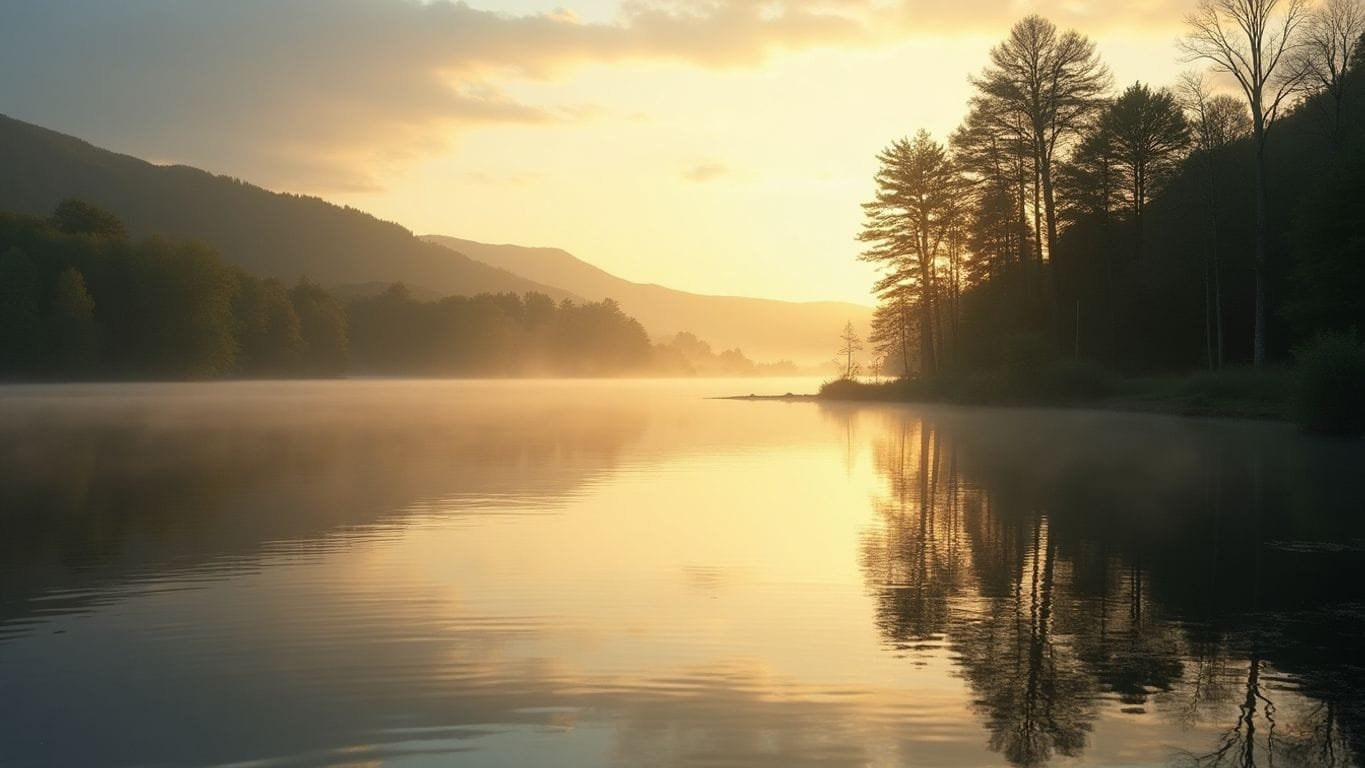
point(264, 232)
point(765, 329)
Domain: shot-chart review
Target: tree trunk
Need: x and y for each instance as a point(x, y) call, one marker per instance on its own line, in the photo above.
point(1215, 267)
point(1037, 230)
point(1262, 235)
point(1057, 305)
point(1208, 315)
point(928, 364)
point(904, 318)
point(1218, 303)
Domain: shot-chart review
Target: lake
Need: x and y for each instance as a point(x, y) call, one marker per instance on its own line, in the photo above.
point(592, 573)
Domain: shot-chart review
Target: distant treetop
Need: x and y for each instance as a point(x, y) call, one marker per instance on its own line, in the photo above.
point(77, 217)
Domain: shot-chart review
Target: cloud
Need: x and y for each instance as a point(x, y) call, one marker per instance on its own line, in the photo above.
point(703, 172)
point(318, 94)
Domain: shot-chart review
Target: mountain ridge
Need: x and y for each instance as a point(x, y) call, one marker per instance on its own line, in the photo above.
point(764, 328)
point(272, 234)
point(287, 236)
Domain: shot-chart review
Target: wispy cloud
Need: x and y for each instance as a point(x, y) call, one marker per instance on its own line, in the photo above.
point(317, 94)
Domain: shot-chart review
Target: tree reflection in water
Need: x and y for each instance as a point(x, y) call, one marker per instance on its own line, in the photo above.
point(1143, 571)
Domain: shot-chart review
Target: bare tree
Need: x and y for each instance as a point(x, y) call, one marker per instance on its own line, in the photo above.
point(1331, 39)
point(1217, 122)
point(1255, 41)
point(851, 346)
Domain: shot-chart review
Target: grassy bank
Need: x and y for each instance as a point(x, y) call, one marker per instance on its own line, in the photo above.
point(1325, 392)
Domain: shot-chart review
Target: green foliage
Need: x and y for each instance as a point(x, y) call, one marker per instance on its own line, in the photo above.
point(77, 217)
point(179, 311)
point(1331, 384)
point(269, 333)
point(493, 335)
point(20, 324)
point(322, 328)
point(73, 334)
point(89, 305)
point(265, 233)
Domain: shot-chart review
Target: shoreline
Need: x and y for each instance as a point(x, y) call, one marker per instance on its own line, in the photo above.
point(1263, 396)
point(1112, 405)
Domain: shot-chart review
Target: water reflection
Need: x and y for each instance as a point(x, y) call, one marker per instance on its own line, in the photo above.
point(1122, 562)
point(408, 573)
point(111, 484)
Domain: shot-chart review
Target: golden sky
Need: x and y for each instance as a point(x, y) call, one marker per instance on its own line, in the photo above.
point(718, 146)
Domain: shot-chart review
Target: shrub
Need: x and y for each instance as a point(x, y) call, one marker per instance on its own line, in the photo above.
point(1330, 396)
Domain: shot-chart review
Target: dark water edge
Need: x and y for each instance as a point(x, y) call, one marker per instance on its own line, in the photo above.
point(1266, 396)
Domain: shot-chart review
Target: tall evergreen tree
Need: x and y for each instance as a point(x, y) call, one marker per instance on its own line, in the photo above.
point(1053, 81)
point(1148, 134)
point(908, 228)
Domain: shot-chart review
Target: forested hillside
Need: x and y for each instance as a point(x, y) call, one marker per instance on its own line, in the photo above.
point(266, 233)
point(764, 328)
point(81, 299)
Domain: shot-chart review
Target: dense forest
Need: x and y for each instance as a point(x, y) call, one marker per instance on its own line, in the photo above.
point(1207, 224)
point(80, 299)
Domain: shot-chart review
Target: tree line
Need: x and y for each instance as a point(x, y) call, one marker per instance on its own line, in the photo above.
point(1157, 228)
point(79, 299)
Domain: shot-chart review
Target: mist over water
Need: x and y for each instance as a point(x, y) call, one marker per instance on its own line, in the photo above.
point(583, 573)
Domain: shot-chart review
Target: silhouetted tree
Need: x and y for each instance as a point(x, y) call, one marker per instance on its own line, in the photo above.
point(1255, 42)
point(1148, 135)
point(1054, 81)
point(909, 228)
point(891, 335)
point(849, 347)
point(1331, 40)
point(1217, 122)
point(994, 155)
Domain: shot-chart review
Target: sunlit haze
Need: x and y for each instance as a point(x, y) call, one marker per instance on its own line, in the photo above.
point(717, 147)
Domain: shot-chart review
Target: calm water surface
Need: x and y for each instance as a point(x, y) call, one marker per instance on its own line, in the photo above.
point(625, 573)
